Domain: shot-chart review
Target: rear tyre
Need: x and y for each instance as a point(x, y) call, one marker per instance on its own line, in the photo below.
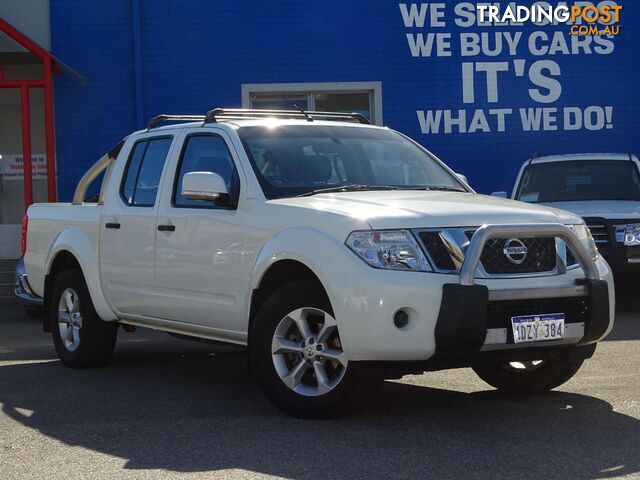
point(530, 376)
point(296, 355)
point(80, 336)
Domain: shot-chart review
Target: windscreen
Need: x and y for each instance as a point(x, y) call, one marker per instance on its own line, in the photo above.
point(580, 180)
point(292, 160)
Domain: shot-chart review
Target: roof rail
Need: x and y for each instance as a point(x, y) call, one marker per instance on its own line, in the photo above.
point(158, 119)
point(213, 115)
point(238, 113)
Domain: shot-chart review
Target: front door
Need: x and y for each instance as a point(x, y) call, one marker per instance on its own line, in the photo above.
point(128, 228)
point(199, 245)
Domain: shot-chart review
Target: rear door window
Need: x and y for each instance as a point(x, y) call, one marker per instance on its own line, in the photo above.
point(144, 169)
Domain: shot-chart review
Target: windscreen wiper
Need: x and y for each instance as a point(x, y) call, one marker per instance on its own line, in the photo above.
point(437, 189)
point(356, 187)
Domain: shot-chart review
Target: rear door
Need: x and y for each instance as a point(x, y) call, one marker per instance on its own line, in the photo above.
point(128, 227)
point(200, 275)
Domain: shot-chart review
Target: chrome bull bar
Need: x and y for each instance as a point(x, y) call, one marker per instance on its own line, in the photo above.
point(488, 232)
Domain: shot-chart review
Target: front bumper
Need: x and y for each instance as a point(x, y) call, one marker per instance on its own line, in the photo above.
point(469, 322)
point(23, 291)
point(455, 315)
point(462, 325)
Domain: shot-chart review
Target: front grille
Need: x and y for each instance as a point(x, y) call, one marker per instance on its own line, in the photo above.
point(541, 256)
point(600, 234)
point(446, 251)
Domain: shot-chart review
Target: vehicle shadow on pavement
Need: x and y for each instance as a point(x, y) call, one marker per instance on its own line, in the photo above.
point(193, 411)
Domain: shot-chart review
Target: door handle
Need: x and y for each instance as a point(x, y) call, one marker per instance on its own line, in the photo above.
point(166, 228)
point(112, 225)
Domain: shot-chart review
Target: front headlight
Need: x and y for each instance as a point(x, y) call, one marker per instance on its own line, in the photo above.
point(632, 235)
point(586, 239)
point(389, 249)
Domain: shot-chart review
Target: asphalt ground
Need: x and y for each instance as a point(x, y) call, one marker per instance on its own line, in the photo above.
point(169, 408)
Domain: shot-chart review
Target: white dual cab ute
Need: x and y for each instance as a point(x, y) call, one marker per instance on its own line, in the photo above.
point(339, 253)
point(604, 189)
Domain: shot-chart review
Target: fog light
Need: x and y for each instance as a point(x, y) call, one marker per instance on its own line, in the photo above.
point(401, 319)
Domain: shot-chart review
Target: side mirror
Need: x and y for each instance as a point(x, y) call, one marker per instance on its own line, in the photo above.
point(207, 186)
point(500, 194)
point(463, 178)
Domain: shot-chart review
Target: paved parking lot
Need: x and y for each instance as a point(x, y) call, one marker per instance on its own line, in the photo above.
point(168, 408)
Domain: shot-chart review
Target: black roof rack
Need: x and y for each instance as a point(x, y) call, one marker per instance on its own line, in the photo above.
point(238, 113)
point(216, 114)
point(158, 119)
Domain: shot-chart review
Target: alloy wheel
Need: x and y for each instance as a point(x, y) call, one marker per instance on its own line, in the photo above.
point(307, 352)
point(69, 319)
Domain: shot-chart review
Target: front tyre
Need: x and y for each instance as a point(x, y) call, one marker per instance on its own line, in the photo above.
point(529, 376)
point(296, 355)
point(81, 338)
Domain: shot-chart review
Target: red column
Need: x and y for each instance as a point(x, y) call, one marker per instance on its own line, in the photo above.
point(26, 145)
point(48, 130)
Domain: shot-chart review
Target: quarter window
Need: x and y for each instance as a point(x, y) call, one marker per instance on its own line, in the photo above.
point(142, 176)
point(205, 153)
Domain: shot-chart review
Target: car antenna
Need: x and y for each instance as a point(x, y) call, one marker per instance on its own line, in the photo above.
point(309, 119)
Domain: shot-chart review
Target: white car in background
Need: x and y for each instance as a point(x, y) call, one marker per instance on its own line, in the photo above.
point(604, 189)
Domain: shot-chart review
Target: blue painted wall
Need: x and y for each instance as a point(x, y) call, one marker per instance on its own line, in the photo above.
point(196, 54)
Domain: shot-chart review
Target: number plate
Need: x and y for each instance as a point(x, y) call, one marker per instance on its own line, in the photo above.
point(538, 328)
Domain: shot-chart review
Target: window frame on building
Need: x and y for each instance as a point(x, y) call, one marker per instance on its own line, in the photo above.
point(310, 89)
